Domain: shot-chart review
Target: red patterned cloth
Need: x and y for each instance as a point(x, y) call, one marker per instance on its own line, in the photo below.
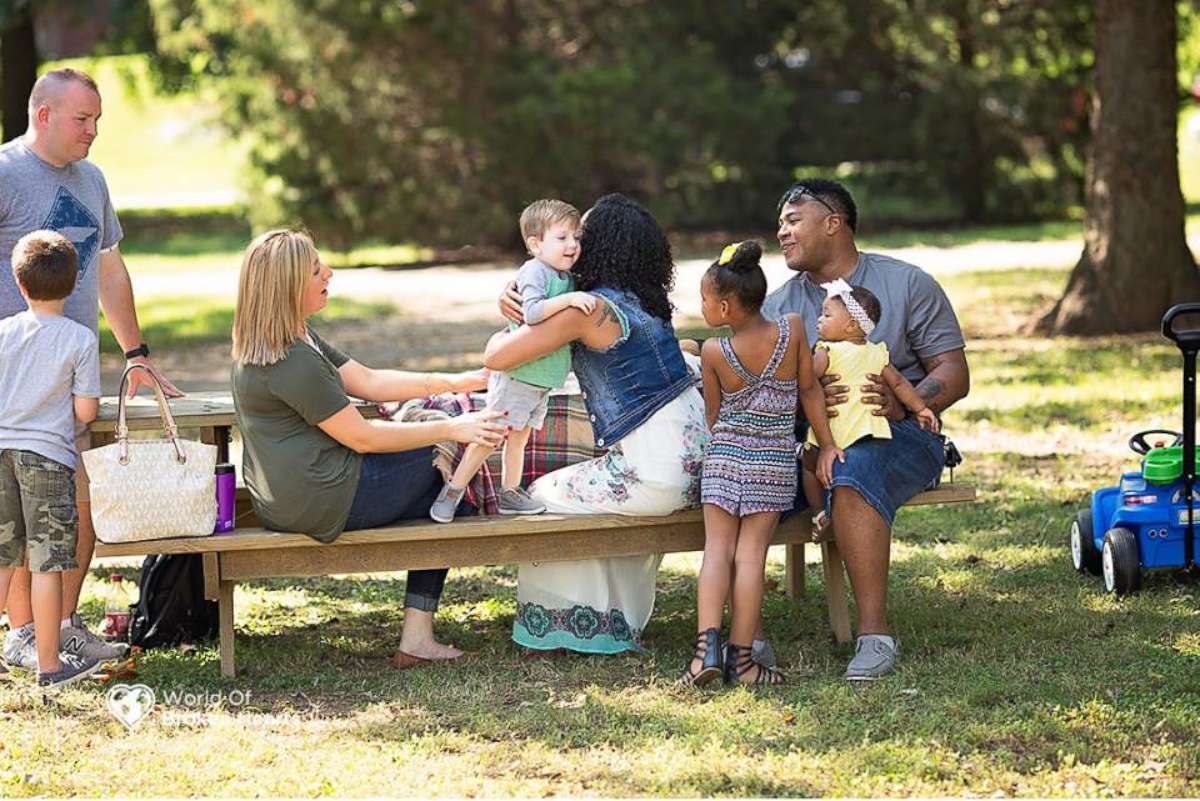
point(565, 438)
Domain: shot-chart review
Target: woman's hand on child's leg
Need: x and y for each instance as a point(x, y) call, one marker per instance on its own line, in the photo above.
point(825, 463)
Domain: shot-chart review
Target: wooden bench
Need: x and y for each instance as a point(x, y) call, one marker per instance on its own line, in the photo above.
point(250, 553)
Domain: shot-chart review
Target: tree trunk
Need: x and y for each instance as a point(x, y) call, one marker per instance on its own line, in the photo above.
point(18, 72)
point(1135, 261)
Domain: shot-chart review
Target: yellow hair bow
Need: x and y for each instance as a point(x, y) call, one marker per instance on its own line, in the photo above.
point(727, 253)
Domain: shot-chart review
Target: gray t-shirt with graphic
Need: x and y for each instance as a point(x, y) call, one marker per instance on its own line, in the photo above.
point(917, 320)
point(44, 361)
point(72, 200)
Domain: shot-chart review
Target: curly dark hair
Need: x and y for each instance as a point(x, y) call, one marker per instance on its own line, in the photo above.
point(623, 247)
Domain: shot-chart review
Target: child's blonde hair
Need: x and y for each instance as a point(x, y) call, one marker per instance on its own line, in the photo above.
point(269, 315)
point(539, 215)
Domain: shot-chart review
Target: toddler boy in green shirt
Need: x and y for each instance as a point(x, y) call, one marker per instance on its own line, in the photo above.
point(550, 229)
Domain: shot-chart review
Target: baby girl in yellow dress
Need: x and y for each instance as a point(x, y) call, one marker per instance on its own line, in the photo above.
point(848, 316)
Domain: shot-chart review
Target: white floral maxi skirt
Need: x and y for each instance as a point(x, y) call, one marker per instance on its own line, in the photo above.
point(602, 605)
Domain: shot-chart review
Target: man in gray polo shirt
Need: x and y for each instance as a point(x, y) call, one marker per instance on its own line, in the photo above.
point(46, 182)
point(817, 221)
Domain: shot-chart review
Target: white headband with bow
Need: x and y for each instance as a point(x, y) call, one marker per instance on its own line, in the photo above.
point(838, 288)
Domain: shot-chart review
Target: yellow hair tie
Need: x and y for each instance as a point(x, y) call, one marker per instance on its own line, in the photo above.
point(728, 252)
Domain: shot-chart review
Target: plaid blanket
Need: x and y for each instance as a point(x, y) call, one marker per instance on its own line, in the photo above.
point(565, 438)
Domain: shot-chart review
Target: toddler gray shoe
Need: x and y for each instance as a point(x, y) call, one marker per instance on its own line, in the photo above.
point(519, 502)
point(446, 505)
point(874, 657)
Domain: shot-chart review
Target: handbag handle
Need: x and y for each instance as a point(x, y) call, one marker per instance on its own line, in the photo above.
point(164, 413)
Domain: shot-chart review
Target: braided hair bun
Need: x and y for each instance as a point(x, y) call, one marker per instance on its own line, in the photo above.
point(741, 276)
point(746, 257)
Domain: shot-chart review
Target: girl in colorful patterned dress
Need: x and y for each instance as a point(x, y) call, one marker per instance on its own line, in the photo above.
point(751, 383)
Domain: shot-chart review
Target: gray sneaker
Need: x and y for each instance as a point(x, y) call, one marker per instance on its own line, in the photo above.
point(446, 505)
point(73, 668)
point(874, 657)
point(76, 639)
point(519, 502)
point(19, 649)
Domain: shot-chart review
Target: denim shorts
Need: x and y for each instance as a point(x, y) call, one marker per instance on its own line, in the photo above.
point(37, 512)
point(887, 472)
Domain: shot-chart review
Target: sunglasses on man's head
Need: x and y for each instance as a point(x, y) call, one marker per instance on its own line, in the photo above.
point(796, 195)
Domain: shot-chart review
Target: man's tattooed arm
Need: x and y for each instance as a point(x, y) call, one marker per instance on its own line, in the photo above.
point(947, 380)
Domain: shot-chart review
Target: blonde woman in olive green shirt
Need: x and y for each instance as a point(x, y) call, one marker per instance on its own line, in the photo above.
point(311, 462)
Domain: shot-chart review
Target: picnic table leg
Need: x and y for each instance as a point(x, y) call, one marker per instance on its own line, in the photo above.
point(835, 590)
point(225, 616)
point(793, 561)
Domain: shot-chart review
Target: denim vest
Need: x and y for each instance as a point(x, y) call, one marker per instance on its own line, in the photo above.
point(639, 374)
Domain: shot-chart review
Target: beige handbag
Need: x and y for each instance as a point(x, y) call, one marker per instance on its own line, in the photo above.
point(149, 489)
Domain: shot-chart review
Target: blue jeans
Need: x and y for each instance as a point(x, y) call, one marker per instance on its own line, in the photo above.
point(400, 486)
point(887, 472)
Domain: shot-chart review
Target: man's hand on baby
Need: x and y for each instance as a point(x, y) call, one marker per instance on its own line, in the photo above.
point(479, 428)
point(835, 393)
point(510, 303)
point(825, 461)
point(583, 301)
point(878, 393)
point(928, 420)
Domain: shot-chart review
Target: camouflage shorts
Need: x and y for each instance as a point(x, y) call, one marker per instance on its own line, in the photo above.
point(37, 512)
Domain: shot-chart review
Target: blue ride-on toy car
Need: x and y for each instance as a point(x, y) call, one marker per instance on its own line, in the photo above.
point(1147, 521)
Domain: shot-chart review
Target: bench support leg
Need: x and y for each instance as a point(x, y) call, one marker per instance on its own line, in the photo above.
point(835, 591)
point(225, 616)
point(793, 561)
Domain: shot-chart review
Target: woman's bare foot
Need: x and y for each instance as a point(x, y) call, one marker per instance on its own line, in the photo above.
point(430, 649)
point(416, 639)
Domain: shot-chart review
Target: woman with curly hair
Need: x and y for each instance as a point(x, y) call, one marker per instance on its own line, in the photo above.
point(643, 408)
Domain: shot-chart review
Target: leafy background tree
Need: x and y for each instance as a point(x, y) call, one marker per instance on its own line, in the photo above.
point(432, 121)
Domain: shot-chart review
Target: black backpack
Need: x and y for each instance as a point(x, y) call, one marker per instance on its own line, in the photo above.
point(171, 607)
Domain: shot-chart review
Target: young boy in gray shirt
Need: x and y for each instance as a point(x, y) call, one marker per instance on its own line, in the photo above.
point(550, 229)
point(49, 382)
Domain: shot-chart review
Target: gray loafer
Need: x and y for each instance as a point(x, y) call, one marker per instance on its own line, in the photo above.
point(874, 657)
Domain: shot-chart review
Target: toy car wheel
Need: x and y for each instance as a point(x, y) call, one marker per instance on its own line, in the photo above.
point(1119, 562)
point(1085, 557)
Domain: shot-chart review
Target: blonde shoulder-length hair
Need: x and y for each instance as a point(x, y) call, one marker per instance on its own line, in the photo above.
point(269, 315)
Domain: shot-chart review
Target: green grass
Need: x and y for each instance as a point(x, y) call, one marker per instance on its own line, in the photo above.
point(178, 322)
point(1019, 678)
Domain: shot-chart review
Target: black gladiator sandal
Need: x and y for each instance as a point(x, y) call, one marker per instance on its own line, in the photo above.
point(738, 663)
point(708, 651)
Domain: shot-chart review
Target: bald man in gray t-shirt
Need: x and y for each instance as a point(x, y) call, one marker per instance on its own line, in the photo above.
point(817, 221)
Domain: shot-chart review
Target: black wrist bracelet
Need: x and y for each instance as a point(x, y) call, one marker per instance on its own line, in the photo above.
point(141, 350)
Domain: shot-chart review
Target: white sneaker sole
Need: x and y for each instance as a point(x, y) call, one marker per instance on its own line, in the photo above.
point(440, 518)
point(537, 511)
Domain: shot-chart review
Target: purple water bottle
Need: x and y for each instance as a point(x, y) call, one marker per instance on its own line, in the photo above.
point(226, 490)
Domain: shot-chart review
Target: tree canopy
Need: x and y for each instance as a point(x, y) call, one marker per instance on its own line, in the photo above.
point(436, 121)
